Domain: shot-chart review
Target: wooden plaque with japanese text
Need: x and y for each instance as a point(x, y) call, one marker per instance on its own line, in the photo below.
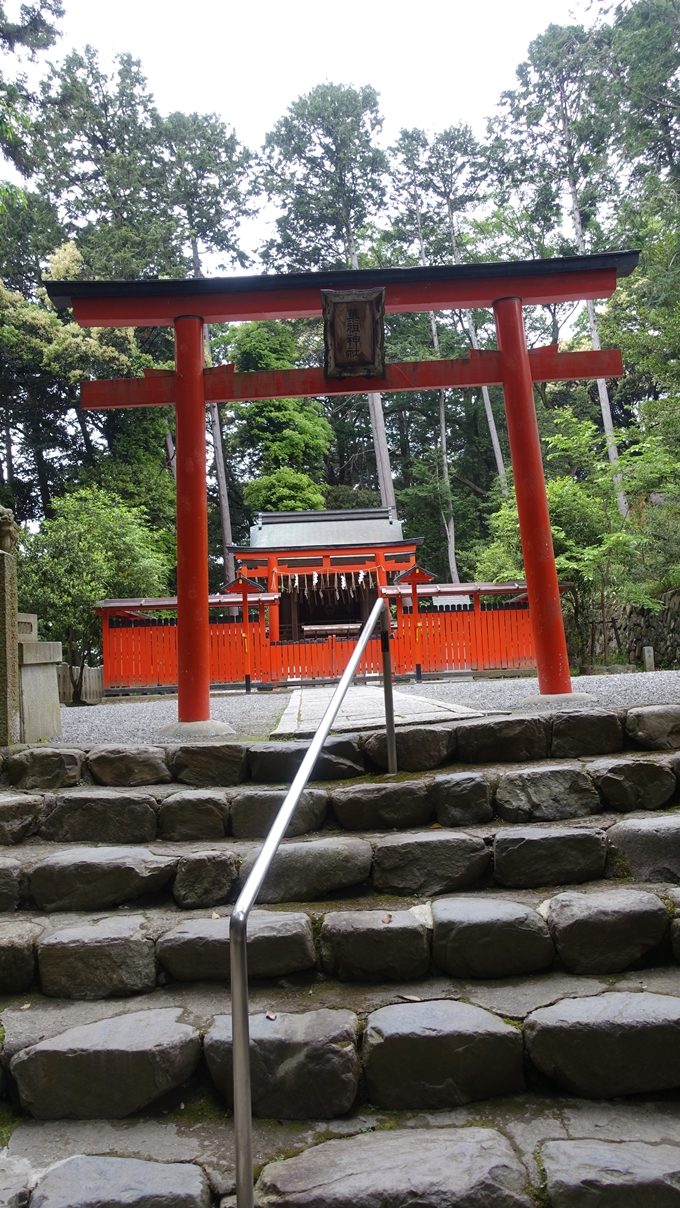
point(354, 332)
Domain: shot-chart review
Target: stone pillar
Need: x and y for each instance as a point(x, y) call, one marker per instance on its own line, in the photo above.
point(10, 724)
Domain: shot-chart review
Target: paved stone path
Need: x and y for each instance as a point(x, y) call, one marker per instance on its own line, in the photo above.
point(362, 709)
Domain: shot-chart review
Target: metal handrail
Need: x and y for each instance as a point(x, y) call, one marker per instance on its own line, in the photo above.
point(239, 919)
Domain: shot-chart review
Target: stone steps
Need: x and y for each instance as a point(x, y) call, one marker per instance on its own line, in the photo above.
point(605, 928)
point(412, 1054)
point(47, 877)
point(458, 964)
point(588, 1152)
point(543, 791)
point(499, 739)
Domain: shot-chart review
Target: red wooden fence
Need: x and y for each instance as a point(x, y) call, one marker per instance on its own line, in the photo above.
point(143, 653)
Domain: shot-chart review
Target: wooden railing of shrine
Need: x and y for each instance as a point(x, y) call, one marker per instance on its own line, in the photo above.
point(141, 652)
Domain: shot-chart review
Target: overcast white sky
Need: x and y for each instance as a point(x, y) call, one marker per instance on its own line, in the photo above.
point(434, 64)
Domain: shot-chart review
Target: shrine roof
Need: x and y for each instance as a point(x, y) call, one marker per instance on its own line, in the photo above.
point(305, 530)
point(443, 286)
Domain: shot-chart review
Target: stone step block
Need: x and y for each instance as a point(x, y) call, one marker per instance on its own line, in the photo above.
point(253, 812)
point(108, 1069)
point(489, 937)
point(585, 732)
point(205, 878)
point(20, 816)
point(302, 1066)
point(194, 814)
point(429, 862)
point(128, 766)
point(611, 1174)
point(606, 932)
point(633, 784)
point(462, 798)
point(17, 955)
point(278, 762)
point(647, 849)
point(430, 1168)
point(10, 883)
point(44, 768)
point(528, 856)
point(83, 878)
point(301, 872)
point(100, 815)
point(439, 1054)
point(16, 1179)
point(383, 806)
point(419, 748)
point(546, 793)
point(617, 1043)
point(108, 959)
point(655, 727)
point(104, 1182)
point(511, 739)
point(210, 765)
point(376, 945)
point(278, 945)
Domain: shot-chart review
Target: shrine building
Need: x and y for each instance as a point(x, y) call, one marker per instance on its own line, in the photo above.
point(327, 568)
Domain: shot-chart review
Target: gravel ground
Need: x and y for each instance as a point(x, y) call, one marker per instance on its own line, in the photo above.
point(134, 720)
point(609, 691)
point(140, 720)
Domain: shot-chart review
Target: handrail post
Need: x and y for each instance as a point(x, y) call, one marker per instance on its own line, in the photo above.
point(240, 1032)
point(387, 688)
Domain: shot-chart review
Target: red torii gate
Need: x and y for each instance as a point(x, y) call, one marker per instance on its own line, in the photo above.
point(187, 305)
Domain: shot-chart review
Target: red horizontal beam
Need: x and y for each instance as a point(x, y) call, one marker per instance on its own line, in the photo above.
point(155, 389)
point(222, 385)
point(305, 302)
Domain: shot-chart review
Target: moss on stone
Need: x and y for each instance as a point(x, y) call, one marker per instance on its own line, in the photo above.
point(539, 1194)
point(9, 1120)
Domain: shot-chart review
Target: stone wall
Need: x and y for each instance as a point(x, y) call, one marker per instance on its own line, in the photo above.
point(638, 627)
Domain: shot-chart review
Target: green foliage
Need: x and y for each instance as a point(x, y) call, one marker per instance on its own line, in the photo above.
point(597, 552)
point(643, 85)
point(98, 157)
point(269, 345)
point(339, 497)
point(323, 168)
point(284, 491)
point(284, 432)
point(93, 547)
point(34, 31)
point(203, 184)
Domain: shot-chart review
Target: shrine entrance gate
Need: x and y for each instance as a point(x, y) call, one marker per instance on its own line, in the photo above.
point(188, 305)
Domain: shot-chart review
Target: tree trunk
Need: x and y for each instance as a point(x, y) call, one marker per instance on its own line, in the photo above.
point(170, 454)
point(228, 565)
point(602, 391)
point(447, 505)
point(375, 410)
point(469, 325)
point(9, 455)
point(43, 479)
point(223, 493)
point(85, 433)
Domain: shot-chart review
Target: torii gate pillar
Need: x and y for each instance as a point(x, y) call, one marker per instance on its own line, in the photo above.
point(550, 644)
point(193, 629)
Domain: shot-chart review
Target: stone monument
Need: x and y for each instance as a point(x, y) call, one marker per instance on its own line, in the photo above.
point(29, 690)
